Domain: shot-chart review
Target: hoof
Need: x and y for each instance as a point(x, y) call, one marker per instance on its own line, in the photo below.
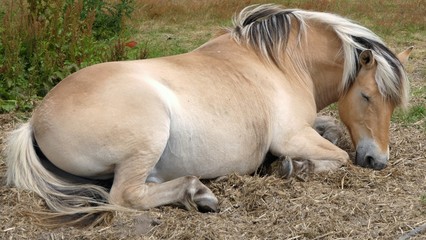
point(303, 166)
point(287, 168)
point(329, 129)
point(333, 135)
point(207, 204)
point(298, 168)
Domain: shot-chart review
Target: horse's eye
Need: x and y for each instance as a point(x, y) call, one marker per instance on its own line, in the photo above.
point(366, 97)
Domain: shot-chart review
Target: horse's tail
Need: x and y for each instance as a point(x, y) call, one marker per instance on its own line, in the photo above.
point(71, 203)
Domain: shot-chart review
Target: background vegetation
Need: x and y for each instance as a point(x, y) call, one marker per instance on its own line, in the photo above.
point(42, 41)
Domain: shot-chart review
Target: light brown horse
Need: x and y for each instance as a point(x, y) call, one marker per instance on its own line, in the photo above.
point(156, 126)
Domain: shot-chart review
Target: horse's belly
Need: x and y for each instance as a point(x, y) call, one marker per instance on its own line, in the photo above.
point(210, 154)
point(214, 137)
point(172, 166)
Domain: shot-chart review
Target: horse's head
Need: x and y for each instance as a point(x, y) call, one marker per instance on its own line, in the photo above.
point(367, 112)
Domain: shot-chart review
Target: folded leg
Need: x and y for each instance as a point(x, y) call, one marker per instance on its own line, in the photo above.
point(328, 128)
point(309, 151)
point(130, 188)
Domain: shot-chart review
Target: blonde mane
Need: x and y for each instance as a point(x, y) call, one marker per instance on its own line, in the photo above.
point(266, 29)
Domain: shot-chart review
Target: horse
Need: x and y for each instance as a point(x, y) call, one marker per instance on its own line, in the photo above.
point(157, 126)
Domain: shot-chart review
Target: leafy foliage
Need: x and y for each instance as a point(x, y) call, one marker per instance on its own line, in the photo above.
point(43, 41)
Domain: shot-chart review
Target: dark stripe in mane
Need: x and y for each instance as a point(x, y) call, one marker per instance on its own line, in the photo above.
point(382, 50)
point(394, 87)
point(263, 14)
point(267, 30)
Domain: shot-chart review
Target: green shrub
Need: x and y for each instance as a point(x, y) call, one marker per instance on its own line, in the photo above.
point(43, 41)
point(109, 18)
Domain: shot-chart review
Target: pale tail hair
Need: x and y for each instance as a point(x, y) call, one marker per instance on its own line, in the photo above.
point(73, 204)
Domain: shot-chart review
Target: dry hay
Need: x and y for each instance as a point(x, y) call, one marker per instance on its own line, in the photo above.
point(351, 203)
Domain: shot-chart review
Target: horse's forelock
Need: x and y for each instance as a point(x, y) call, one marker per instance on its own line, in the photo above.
point(390, 75)
point(391, 79)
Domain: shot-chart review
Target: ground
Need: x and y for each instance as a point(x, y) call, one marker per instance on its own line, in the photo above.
point(350, 203)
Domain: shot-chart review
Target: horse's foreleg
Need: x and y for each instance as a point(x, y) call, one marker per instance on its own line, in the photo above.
point(130, 190)
point(309, 148)
point(328, 128)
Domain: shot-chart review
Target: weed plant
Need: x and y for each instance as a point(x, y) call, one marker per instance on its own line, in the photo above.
point(43, 41)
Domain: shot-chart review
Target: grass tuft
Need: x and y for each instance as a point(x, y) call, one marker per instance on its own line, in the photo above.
point(423, 199)
point(415, 114)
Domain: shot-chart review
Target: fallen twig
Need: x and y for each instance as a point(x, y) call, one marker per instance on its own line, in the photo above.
point(418, 230)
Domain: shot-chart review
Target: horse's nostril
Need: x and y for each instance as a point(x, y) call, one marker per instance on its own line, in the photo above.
point(369, 160)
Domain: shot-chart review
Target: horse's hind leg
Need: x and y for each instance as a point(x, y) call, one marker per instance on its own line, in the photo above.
point(130, 189)
point(186, 191)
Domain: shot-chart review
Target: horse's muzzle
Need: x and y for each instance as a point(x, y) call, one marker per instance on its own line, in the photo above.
point(368, 155)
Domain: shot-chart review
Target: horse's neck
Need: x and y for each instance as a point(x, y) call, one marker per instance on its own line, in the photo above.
point(325, 64)
point(323, 49)
point(326, 86)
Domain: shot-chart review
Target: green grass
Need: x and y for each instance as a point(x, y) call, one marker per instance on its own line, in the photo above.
point(419, 92)
point(193, 22)
point(414, 114)
point(423, 199)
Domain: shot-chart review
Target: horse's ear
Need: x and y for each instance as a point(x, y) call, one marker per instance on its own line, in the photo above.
point(366, 59)
point(403, 56)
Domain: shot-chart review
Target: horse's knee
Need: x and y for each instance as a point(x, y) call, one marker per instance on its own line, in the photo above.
point(128, 196)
